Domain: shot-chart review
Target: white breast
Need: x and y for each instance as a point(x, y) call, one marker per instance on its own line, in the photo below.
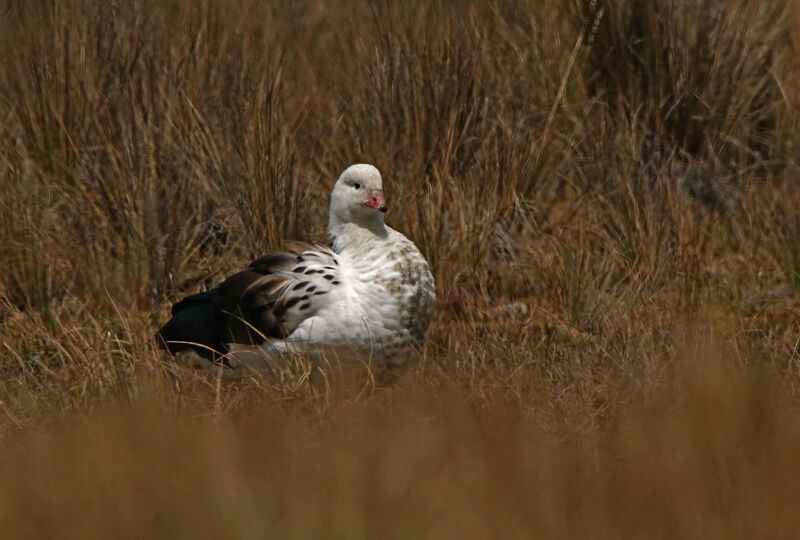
point(382, 311)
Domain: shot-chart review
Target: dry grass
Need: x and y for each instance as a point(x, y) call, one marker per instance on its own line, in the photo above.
point(608, 194)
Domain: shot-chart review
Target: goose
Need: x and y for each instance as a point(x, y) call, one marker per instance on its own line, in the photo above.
point(369, 297)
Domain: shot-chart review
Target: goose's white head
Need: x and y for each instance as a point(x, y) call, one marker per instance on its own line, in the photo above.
point(357, 198)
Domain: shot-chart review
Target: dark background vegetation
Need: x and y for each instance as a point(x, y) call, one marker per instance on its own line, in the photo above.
point(608, 193)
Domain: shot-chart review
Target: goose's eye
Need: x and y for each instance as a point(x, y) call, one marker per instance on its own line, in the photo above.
point(357, 185)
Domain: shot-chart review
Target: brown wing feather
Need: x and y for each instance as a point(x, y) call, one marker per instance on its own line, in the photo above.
point(266, 301)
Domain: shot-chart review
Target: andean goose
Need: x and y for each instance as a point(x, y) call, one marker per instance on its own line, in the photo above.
point(370, 297)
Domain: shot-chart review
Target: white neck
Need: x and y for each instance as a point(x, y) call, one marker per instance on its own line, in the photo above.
point(352, 234)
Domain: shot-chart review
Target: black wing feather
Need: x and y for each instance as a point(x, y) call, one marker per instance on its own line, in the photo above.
point(261, 302)
point(233, 312)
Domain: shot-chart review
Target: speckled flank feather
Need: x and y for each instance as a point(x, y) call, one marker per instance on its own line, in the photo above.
point(383, 309)
point(369, 298)
point(305, 288)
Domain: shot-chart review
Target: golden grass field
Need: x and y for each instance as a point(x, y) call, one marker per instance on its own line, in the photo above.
point(608, 193)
